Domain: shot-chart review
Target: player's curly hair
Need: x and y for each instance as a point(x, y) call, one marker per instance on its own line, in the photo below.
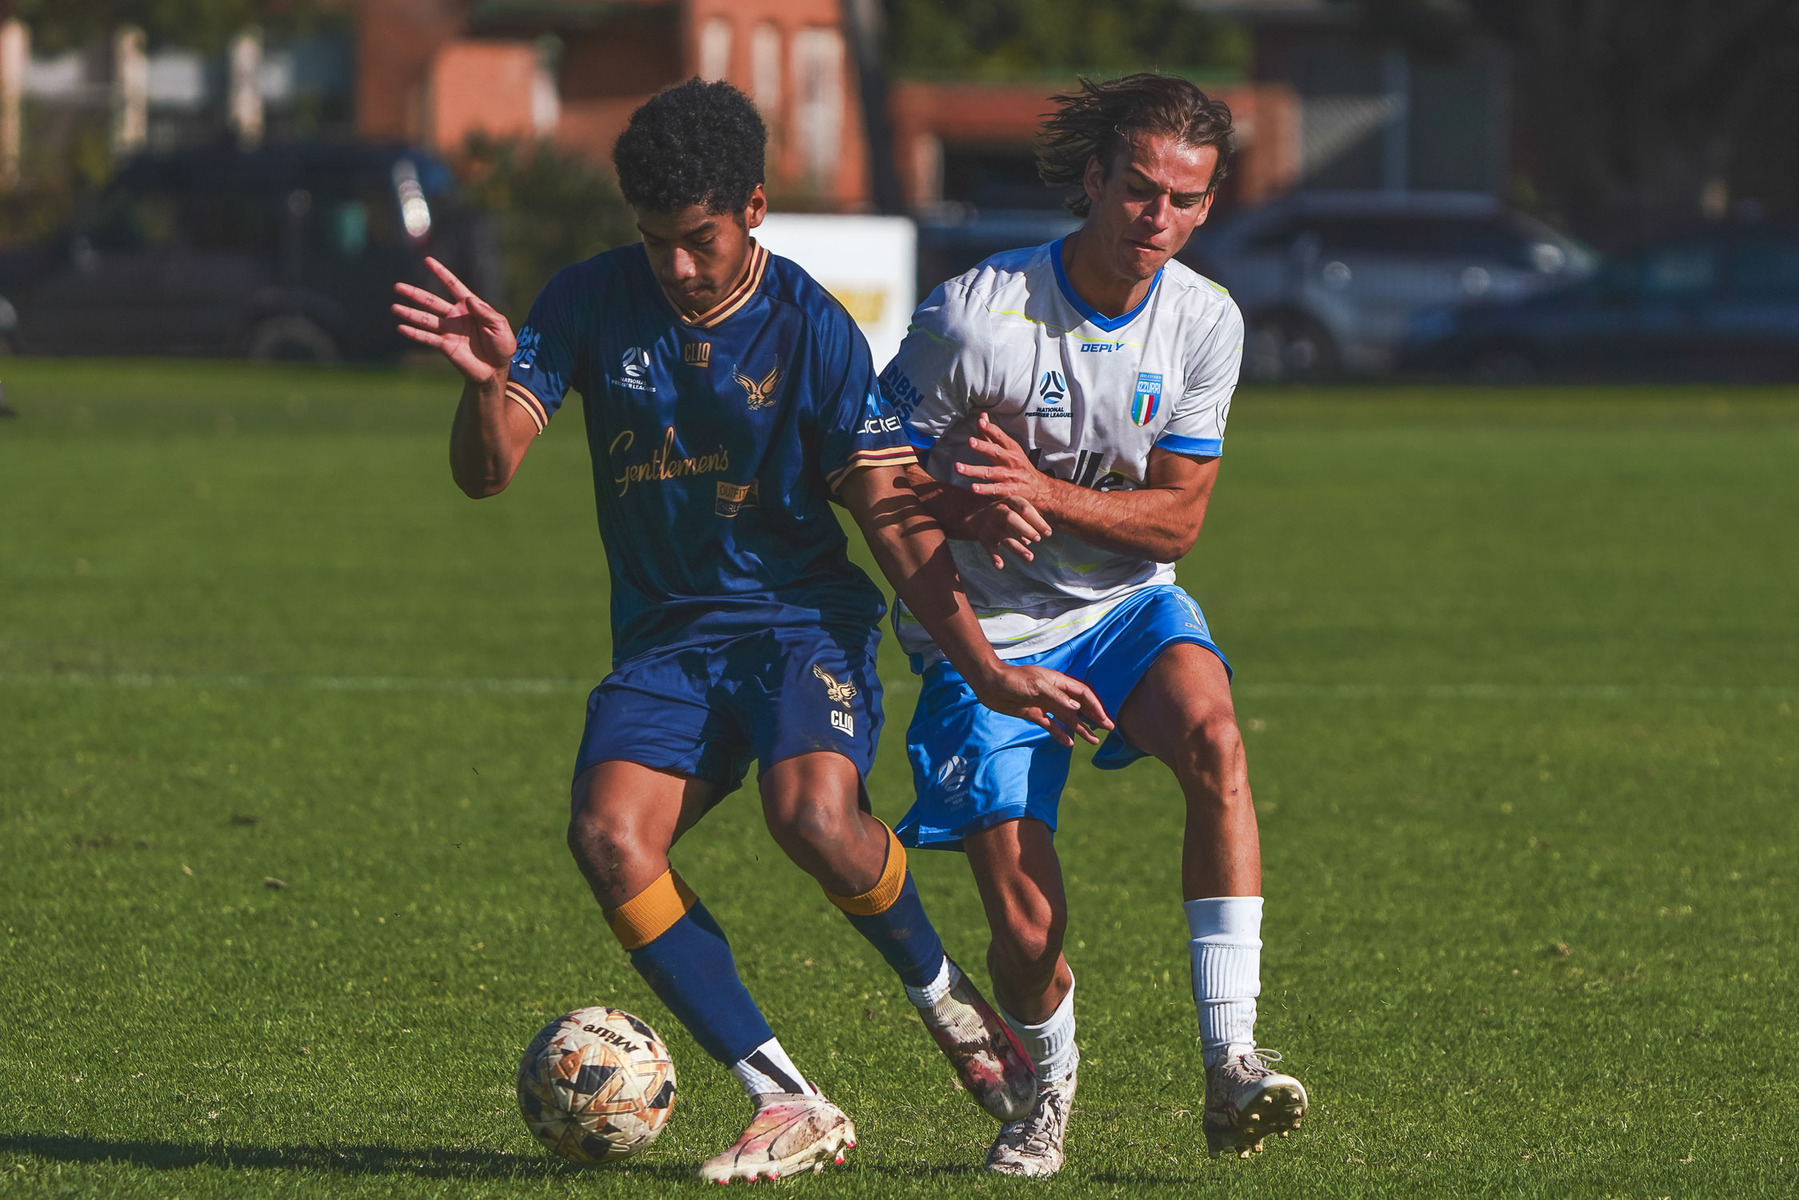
point(1101, 120)
point(693, 143)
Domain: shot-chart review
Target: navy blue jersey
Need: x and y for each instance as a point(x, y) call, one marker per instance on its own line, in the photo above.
point(717, 443)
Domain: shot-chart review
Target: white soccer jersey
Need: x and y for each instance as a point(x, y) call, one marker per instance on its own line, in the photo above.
point(1087, 396)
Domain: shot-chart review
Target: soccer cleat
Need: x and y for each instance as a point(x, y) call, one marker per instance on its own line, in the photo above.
point(789, 1133)
point(1033, 1147)
point(1245, 1102)
point(981, 1046)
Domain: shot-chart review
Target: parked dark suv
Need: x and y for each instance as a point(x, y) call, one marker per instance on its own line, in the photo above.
point(282, 253)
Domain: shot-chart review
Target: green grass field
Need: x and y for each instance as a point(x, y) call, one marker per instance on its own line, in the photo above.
point(1519, 674)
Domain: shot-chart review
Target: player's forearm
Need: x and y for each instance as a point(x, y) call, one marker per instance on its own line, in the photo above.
point(909, 546)
point(1159, 524)
point(482, 451)
point(952, 507)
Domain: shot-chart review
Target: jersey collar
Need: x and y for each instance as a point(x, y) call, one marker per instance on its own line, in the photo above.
point(1108, 324)
point(738, 296)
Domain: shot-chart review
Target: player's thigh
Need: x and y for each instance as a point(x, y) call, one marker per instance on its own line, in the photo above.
point(653, 806)
point(813, 794)
point(1019, 877)
point(1182, 701)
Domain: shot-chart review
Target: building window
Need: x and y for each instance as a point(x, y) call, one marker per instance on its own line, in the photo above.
point(818, 100)
point(765, 67)
point(715, 49)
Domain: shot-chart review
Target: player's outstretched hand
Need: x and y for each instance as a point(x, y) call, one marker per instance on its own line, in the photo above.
point(465, 329)
point(1054, 701)
point(1009, 474)
point(1008, 526)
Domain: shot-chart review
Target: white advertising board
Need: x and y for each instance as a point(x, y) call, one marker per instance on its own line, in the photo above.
point(869, 263)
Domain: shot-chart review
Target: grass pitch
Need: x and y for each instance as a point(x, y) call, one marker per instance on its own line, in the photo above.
point(286, 726)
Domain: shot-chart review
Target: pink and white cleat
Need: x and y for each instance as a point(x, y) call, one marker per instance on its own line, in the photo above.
point(983, 1049)
point(788, 1134)
point(1246, 1101)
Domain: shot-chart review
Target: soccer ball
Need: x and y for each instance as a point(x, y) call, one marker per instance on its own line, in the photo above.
point(596, 1085)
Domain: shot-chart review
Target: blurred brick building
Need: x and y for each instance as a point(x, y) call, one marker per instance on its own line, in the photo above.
point(436, 71)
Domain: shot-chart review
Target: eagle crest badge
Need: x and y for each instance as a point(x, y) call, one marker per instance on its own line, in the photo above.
point(838, 693)
point(756, 391)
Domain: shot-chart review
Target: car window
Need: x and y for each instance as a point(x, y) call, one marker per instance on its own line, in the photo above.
point(132, 222)
point(1458, 238)
point(235, 220)
point(1765, 268)
point(1686, 269)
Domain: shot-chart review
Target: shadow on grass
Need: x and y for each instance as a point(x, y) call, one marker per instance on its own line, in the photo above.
point(345, 1158)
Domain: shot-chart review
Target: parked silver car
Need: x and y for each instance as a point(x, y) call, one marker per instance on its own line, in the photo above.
point(1328, 281)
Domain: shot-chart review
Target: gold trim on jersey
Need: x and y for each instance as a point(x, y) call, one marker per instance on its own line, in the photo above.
point(522, 396)
point(890, 456)
point(738, 296)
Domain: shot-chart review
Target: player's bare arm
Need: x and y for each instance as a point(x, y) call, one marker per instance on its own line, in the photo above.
point(1159, 521)
point(490, 434)
point(909, 545)
point(1002, 525)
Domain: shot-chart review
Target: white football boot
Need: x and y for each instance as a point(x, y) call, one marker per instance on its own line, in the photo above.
point(788, 1134)
point(1033, 1147)
point(1246, 1101)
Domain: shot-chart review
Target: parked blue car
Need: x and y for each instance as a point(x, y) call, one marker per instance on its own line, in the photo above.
point(1716, 304)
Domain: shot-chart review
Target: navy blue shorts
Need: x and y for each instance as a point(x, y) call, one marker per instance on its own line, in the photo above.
point(708, 711)
point(973, 767)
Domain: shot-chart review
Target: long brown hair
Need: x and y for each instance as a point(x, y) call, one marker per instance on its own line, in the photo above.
point(1101, 120)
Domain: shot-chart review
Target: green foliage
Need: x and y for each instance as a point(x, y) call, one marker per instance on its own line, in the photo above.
point(208, 24)
point(554, 208)
point(1031, 39)
point(1516, 672)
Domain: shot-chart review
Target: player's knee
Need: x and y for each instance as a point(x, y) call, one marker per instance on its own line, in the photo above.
point(1029, 936)
point(802, 820)
point(1211, 753)
point(604, 849)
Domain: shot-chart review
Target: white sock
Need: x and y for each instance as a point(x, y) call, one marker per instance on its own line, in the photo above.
point(768, 1069)
point(1051, 1043)
point(1226, 952)
point(947, 977)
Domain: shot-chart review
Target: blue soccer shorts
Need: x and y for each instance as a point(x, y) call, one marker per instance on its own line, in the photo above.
point(707, 711)
point(973, 767)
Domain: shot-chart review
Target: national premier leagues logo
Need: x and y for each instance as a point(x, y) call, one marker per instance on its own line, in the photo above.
point(634, 368)
point(1052, 388)
point(1147, 401)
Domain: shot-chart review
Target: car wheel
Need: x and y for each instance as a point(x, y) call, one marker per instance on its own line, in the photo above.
point(289, 339)
point(1288, 348)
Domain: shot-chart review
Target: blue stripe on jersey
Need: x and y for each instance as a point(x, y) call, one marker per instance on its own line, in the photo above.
point(1197, 447)
point(1109, 324)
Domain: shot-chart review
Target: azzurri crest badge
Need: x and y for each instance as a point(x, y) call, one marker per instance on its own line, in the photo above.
point(1146, 402)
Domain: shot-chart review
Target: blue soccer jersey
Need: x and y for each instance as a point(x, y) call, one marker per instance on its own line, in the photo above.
point(717, 444)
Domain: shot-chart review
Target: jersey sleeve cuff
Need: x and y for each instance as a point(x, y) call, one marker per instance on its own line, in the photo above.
point(521, 395)
point(1174, 443)
point(886, 456)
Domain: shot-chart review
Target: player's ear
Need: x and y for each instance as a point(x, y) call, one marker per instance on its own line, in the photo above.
point(756, 209)
point(1093, 180)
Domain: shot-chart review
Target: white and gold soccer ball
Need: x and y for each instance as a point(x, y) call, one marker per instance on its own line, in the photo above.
point(596, 1085)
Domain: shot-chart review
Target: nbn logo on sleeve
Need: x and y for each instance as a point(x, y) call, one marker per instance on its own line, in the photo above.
point(1147, 400)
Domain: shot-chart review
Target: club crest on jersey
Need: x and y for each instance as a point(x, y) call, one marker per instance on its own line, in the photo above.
point(756, 392)
point(838, 693)
point(1146, 402)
